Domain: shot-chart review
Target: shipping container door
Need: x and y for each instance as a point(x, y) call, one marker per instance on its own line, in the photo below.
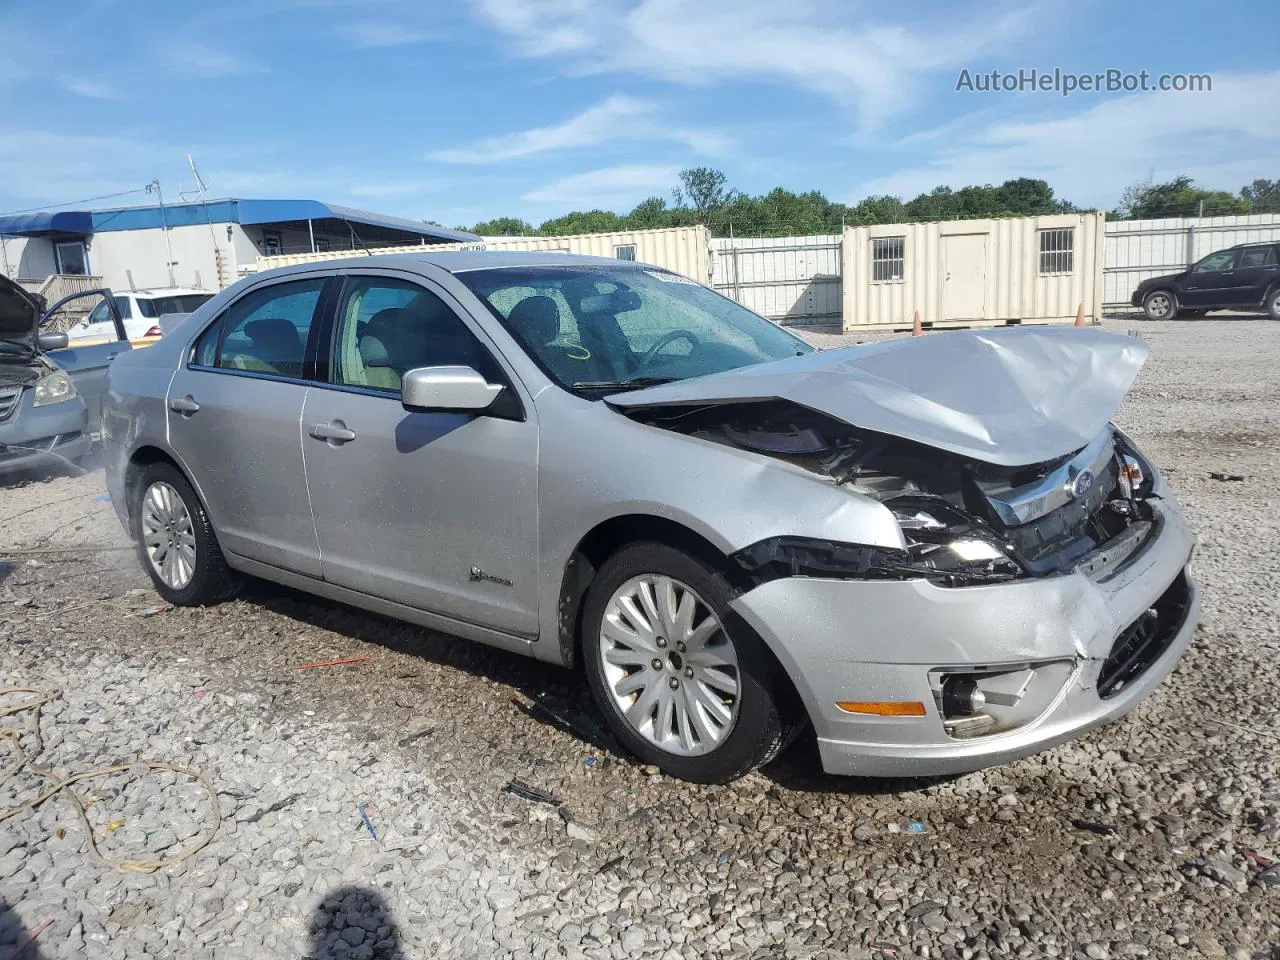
point(964, 276)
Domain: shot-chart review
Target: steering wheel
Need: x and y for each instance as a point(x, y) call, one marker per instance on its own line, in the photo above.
point(671, 337)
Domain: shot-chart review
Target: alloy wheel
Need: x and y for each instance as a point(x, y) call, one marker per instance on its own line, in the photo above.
point(669, 665)
point(1160, 305)
point(168, 535)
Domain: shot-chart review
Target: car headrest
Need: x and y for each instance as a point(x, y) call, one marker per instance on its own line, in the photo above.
point(536, 319)
point(373, 352)
point(274, 338)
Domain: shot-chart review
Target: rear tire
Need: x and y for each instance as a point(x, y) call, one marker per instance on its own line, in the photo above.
point(175, 541)
point(1273, 304)
point(703, 693)
point(1160, 305)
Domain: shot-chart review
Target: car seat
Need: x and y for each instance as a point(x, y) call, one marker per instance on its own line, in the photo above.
point(274, 347)
point(535, 321)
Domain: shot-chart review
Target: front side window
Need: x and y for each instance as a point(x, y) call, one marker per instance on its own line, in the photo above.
point(264, 331)
point(387, 327)
point(1216, 261)
point(598, 327)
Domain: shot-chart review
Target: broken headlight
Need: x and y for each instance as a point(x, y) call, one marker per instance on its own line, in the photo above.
point(951, 546)
point(943, 546)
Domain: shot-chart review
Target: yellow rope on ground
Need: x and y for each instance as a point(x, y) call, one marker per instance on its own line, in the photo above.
point(23, 762)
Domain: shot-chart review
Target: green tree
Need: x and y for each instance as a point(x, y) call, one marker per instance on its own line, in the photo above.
point(882, 209)
point(503, 227)
point(649, 214)
point(1180, 197)
point(589, 221)
point(1263, 196)
point(704, 188)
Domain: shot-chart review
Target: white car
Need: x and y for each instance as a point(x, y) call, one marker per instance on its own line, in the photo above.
point(141, 311)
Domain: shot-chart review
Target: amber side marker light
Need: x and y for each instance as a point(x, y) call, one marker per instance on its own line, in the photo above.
point(883, 708)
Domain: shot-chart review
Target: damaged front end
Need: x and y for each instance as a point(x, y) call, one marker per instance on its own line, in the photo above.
point(964, 521)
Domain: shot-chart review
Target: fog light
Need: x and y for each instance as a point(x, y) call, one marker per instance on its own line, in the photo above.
point(961, 697)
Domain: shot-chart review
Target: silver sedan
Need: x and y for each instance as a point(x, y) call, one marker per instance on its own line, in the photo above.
point(936, 552)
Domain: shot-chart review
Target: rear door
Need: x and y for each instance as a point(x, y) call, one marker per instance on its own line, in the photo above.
point(234, 411)
point(87, 360)
point(1255, 271)
point(1210, 282)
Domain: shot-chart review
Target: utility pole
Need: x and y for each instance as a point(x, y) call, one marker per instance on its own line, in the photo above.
point(154, 186)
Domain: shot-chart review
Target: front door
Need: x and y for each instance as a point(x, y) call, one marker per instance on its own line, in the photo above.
point(87, 362)
point(964, 276)
point(234, 413)
point(1210, 281)
point(434, 510)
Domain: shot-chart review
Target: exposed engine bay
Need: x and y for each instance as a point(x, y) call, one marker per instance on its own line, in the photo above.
point(965, 521)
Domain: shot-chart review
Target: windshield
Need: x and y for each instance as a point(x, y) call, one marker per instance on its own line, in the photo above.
point(601, 328)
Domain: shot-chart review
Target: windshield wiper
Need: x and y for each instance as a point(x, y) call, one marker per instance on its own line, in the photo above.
point(635, 383)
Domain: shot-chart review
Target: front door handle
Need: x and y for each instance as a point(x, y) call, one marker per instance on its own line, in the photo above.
point(184, 405)
point(335, 431)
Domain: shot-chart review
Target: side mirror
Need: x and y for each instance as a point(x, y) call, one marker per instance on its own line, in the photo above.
point(53, 341)
point(447, 388)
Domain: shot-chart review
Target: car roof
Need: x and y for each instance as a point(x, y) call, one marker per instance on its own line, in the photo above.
point(167, 292)
point(460, 261)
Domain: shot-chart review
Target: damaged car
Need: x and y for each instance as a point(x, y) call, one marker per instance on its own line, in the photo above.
point(937, 552)
point(50, 394)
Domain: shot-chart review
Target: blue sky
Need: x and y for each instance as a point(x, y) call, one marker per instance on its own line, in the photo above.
point(459, 111)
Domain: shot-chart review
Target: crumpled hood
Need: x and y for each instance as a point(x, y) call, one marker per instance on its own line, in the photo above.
point(1011, 397)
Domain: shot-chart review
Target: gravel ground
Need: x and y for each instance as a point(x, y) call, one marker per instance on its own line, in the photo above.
point(1129, 843)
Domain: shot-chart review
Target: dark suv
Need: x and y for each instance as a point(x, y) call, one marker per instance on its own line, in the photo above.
point(1240, 278)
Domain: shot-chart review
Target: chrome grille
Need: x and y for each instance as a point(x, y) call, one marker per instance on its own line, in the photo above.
point(9, 397)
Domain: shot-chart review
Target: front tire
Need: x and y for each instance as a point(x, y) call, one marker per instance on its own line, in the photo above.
point(175, 540)
point(1160, 305)
point(681, 682)
point(1273, 304)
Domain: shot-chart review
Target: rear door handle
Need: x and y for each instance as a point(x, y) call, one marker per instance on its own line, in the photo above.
point(184, 405)
point(332, 431)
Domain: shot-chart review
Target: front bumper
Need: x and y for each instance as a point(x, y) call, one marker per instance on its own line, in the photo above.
point(43, 437)
point(859, 640)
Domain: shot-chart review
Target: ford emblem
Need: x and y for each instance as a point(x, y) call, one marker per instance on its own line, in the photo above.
point(1082, 483)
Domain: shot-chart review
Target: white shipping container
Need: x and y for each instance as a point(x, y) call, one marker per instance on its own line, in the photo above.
point(973, 272)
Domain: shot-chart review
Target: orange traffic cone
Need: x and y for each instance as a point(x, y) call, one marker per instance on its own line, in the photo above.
point(1080, 316)
point(916, 329)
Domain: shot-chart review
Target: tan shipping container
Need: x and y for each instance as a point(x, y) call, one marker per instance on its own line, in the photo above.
point(965, 273)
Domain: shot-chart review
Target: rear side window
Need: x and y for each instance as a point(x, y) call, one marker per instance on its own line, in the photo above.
point(1258, 257)
point(263, 332)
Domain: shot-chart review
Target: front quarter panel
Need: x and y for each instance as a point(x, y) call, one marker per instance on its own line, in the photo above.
point(595, 465)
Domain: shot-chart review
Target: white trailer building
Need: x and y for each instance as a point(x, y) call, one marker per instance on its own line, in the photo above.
point(202, 245)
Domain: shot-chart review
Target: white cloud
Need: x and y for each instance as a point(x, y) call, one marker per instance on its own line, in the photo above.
point(839, 50)
point(85, 87)
point(617, 118)
point(611, 187)
point(1221, 139)
point(386, 33)
point(208, 62)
